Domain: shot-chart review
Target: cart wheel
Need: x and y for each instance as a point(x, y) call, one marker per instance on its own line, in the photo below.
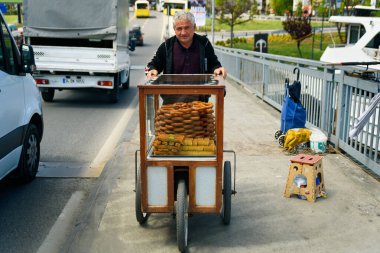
point(281, 140)
point(140, 216)
point(227, 191)
point(277, 134)
point(182, 216)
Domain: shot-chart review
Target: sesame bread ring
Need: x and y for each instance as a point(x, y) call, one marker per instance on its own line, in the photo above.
point(186, 116)
point(197, 108)
point(164, 110)
point(188, 126)
point(179, 130)
point(195, 118)
point(194, 112)
point(197, 122)
point(184, 110)
point(177, 124)
point(179, 104)
point(208, 105)
point(198, 128)
point(177, 119)
point(187, 121)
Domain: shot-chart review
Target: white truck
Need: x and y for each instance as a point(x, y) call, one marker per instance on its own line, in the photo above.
point(79, 44)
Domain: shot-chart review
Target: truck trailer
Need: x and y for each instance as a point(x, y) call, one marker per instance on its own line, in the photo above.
point(79, 45)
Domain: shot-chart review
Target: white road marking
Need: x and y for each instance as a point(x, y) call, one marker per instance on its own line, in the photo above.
point(58, 233)
point(106, 151)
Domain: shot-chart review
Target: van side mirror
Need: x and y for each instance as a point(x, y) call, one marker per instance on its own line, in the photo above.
point(28, 61)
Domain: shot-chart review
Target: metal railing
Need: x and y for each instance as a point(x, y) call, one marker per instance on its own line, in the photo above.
point(333, 99)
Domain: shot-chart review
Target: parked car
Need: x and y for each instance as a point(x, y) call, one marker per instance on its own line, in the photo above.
point(136, 35)
point(21, 127)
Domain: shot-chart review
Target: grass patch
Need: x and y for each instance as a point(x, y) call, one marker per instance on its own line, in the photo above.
point(252, 25)
point(284, 45)
point(12, 19)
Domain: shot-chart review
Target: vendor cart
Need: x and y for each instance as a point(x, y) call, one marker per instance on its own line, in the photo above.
point(181, 169)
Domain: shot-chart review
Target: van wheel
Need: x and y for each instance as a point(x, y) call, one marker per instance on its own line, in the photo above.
point(126, 84)
point(30, 155)
point(113, 96)
point(48, 95)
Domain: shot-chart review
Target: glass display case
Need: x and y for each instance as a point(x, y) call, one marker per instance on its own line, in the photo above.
point(180, 113)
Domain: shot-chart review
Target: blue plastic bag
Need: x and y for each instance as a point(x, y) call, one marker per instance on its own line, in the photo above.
point(293, 114)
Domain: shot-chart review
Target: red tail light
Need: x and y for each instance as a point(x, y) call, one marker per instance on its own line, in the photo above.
point(105, 83)
point(42, 81)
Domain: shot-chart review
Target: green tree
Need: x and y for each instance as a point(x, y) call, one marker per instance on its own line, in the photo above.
point(321, 9)
point(230, 11)
point(254, 9)
point(299, 28)
point(298, 12)
point(281, 6)
point(346, 8)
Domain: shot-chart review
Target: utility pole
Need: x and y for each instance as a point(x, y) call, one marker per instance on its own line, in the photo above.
point(19, 13)
point(212, 20)
point(323, 18)
point(329, 8)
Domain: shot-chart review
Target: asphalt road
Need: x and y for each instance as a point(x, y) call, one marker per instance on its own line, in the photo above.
point(80, 126)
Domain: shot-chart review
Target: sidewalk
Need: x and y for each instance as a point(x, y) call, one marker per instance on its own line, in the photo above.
point(348, 220)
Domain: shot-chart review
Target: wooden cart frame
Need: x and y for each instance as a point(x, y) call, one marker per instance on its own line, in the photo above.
point(183, 168)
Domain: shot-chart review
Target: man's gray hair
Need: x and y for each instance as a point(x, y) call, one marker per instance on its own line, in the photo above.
point(183, 16)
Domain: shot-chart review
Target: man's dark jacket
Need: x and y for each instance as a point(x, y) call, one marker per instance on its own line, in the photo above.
point(163, 59)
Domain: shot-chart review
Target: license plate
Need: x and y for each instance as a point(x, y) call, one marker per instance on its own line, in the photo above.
point(72, 81)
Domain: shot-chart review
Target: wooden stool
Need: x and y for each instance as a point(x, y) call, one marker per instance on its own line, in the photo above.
point(305, 177)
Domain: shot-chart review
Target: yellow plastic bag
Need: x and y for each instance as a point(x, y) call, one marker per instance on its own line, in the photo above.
point(296, 136)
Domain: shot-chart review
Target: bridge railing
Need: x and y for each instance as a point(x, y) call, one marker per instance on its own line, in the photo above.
point(333, 100)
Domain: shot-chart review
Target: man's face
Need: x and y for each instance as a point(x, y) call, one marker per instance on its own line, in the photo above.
point(184, 31)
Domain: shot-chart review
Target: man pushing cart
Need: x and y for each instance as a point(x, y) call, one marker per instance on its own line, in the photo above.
point(181, 169)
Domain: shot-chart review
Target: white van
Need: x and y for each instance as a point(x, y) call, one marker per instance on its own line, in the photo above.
point(21, 123)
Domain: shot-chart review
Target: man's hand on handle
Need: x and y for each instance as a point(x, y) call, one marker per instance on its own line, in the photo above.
point(221, 71)
point(152, 73)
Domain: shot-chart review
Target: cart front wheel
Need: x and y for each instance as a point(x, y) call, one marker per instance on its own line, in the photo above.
point(182, 216)
point(227, 192)
point(140, 216)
